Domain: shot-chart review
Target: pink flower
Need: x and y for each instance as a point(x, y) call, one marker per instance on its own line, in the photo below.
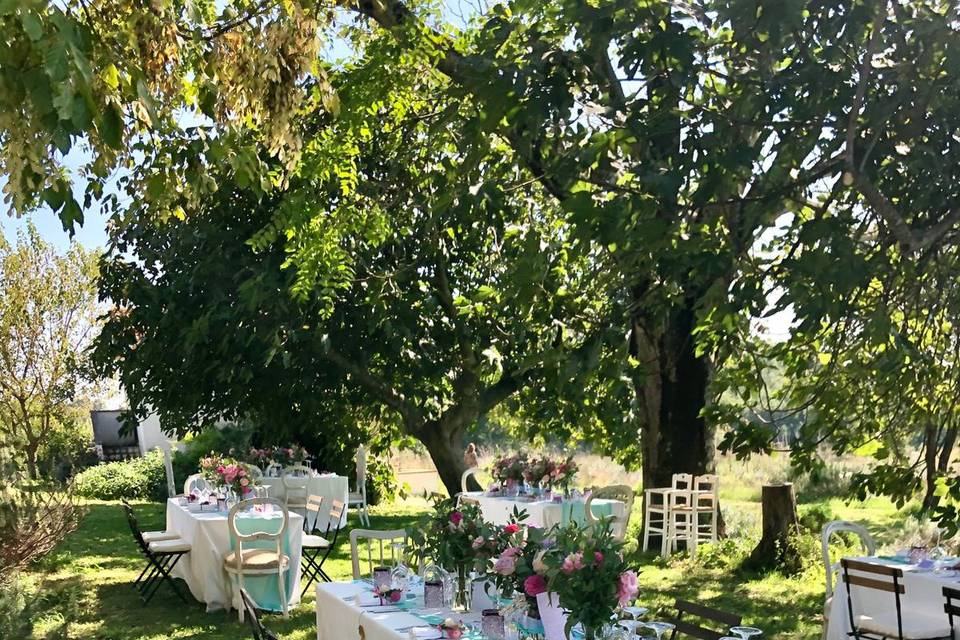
point(573, 562)
point(597, 558)
point(511, 528)
point(534, 585)
point(505, 565)
point(478, 542)
point(241, 473)
point(512, 552)
point(627, 588)
point(456, 518)
point(244, 482)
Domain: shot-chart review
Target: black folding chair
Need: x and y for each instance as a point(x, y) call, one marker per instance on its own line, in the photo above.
point(951, 607)
point(161, 556)
point(693, 630)
point(312, 568)
point(252, 614)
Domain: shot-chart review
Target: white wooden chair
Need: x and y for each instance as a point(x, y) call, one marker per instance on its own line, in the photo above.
point(296, 486)
point(620, 492)
point(256, 472)
point(195, 481)
point(258, 561)
point(682, 520)
point(832, 569)
point(462, 498)
point(702, 509)
point(382, 539)
point(358, 498)
point(274, 470)
point(656, 503)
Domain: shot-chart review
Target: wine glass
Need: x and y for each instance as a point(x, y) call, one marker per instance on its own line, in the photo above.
point(659, 628)
point(631, 627)
point(745, 633)
point(634, 612)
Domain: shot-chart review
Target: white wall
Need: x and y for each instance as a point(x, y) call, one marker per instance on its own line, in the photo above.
point(150, 435)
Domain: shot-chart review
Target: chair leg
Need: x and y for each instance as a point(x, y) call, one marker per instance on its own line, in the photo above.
point(169, 562)
point(282, 587)
point(240, 609)
point(646, 528)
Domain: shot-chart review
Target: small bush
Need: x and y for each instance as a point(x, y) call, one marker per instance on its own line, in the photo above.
point(138, 479)
point(813, 518)
point(17, 602)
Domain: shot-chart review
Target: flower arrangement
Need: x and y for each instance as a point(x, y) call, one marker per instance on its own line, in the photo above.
point(259, 457)
point(293, 454)
point(563, 473)
point(521, 565)
point(589, 576)
point(388, 594)
point(227, 474)
point(539, 471)
point(509, 469)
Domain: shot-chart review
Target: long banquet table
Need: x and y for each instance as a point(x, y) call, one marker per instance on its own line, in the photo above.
point(329, 486)
point(209, 538)
point(923, 594)
point(345, 611)
point(542, 513)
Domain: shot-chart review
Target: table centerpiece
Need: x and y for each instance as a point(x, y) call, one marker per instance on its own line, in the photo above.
point(520, 567)
point(231, 478)
point(590, 577)
point(508, 470)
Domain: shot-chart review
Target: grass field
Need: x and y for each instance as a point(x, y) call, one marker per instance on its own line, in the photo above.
point(87, 593)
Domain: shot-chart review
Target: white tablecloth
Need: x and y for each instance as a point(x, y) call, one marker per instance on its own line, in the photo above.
point(340, 619)
point(498, 509)
point(923, 593)
point(329, 487)
point(209, 538)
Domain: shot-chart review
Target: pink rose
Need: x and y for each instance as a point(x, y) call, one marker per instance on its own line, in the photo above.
point(597, 558)
point(241, 473)
point(456, 518)
point(627, 588)
point(244, 482)
point(478, 542)
point(511, 528)
point(505, 565)
point(534, 585)
point(512, 552)
point(573, 562)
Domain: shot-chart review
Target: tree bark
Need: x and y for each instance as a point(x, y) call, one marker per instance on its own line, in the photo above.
point(779, 521)
point(445, 444)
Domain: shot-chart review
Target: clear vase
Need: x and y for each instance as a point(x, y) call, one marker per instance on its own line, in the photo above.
point(461, 596)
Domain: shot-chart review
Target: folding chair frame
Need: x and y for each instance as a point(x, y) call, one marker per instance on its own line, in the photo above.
point(159, 563)
point(311, 568)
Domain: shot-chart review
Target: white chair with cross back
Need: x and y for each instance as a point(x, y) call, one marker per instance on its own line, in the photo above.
point(358, 498)
point(377, 541)
point(260, 560)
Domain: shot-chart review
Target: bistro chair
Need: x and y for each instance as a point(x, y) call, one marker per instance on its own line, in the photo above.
point(296, 485)
point(258, 561)
point(314, 545)
point(705, 613)
point(841, 526)
point(162, 554)
point(620, 492)
point(358, 498)
point(253, 615)
point(951, 608)
point(382, 539)
point(889, 622)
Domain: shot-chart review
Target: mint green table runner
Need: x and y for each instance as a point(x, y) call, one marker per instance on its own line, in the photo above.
point(575, 511)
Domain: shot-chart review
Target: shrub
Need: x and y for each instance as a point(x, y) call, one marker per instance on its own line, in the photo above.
point(17, 604)
point(814, 517)
point(34, 517)
point(66, 449)
point(136, 479)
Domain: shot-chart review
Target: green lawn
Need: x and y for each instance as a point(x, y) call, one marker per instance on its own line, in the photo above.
point(88, 594)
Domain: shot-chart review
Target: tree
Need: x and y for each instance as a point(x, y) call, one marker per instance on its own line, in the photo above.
point(673, 135)
point(47, 321)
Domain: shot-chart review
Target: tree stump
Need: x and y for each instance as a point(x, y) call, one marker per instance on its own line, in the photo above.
point(779, 521)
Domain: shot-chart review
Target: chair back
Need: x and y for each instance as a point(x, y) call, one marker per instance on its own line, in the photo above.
point(465, 477)
point(872, 576)
point(703, 612)
point(708, 490)
point(274, 470)
point(256, 472)
point(333, 522)
point(361, 461)
point(950, 607)
point(382, 539)
point(832, 528)
point(270, 533)
point(253, 615)
point(296, 479)
point(682, 481)
point(135, 527)
point(620, 492)
point(195, 481)
point(312, 515)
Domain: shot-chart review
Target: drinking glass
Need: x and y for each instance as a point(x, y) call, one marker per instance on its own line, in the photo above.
point(746, 632)
point(631, 627)
point(659, 628)
point(634, 612)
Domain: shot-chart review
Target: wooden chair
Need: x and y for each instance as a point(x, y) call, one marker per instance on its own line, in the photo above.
point(888, 623)
point(383, 538)
point(656, 503)
point(708, 614)
point(358, 498)
point(162, 553)
point(951, 608)
point(620, 492)
point(258, 561)
point(682, 520)
point(195, 481)
point(314, 544)
point(296, 486)
point(253, 615)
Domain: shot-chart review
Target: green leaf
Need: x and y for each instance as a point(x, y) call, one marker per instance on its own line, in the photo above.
point(32, 25)
point(111, 126)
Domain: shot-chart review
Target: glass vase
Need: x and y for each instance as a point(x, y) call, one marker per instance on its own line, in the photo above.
point(461, 596)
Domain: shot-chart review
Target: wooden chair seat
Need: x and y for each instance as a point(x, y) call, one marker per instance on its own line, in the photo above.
point(255, 560)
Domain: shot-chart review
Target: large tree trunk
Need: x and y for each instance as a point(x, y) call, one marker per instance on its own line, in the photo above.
point(30, 450)
point(671, 387)
point(445, 443)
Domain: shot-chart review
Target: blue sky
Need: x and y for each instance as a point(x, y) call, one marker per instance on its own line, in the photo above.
point(92, 235)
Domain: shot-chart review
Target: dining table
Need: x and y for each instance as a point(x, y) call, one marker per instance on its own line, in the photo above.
point(328, 486)
point(541, 512)
point(208, 534)
point(922, 594)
